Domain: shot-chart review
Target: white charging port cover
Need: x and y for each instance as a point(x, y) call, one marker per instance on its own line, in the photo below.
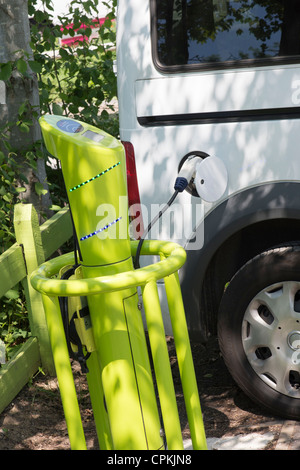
point(211, 179)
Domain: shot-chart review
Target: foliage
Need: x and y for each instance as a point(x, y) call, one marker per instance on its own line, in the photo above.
point(77, 81)
point(13, 320)
point(12, 178)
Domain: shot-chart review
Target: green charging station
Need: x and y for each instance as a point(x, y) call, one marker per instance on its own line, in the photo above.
point(124, 402)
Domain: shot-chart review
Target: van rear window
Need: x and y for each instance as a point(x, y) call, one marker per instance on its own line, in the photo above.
point(230, 32)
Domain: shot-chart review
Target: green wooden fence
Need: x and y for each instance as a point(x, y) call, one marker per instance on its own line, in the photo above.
point(34, 245)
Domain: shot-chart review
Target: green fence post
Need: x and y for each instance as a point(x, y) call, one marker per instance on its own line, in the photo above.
point(28, 235)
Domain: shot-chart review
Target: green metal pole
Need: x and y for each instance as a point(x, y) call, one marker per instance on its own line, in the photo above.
point(64, 373)
point(98, 403)
point(162, 366)
point(185, 362)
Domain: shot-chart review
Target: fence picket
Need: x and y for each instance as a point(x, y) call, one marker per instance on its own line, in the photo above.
point(34, 244)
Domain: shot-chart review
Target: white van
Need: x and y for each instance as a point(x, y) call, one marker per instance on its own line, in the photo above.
point(222, 77)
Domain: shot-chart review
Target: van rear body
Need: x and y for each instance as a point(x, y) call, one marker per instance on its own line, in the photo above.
point(221, 77)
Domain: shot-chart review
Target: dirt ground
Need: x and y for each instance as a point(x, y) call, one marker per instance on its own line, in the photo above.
point(35, 420)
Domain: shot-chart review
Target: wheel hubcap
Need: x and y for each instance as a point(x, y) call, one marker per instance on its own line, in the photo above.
point(271, 336)
point(293, 340)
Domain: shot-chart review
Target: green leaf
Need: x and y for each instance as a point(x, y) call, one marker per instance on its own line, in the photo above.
point(24, 127)
point(7, 197)
point(21, 66)
point(39, 189)
point(22, 108)
point(5, 72)
point(57, 109)
point(12, 294)
point(63, 53)
point(23, 178)
point(54, 208)
point(35, 66)
point(40, 16)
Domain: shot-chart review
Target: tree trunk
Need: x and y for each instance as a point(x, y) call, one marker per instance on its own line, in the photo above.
point(20, 88)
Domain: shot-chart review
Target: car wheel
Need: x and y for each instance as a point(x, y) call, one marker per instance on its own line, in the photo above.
point(259, 330)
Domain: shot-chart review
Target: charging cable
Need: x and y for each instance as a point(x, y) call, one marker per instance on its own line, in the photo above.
point(185, 174)
point(138, 251)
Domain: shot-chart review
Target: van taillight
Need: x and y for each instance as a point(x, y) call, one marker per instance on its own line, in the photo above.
point(134, 203)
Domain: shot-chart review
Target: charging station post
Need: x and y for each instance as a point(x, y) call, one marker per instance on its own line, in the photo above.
point(120, 379)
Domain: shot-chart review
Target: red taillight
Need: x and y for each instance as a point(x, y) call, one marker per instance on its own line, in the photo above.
point(134, 203)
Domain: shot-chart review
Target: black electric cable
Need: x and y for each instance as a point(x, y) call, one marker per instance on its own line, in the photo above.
point(166, 206)
point(70, 329)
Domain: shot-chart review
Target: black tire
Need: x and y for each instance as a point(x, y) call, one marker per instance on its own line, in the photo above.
point(259, 330)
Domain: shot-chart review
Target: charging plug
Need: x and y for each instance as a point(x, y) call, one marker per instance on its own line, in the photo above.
point(186, 173)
